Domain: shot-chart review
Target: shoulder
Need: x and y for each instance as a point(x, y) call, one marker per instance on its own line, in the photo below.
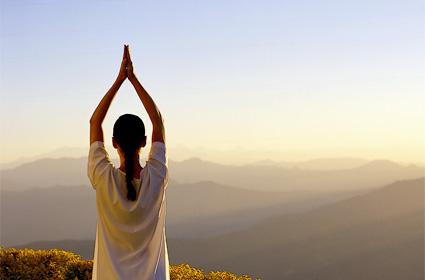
point(99, 164)
point(158, 153)
point(96, 143)
point(157, 161)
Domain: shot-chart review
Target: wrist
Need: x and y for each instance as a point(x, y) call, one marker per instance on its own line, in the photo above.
point(132, 78)
point(119, 80)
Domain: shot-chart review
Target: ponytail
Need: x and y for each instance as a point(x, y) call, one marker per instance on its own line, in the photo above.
point(129, 172)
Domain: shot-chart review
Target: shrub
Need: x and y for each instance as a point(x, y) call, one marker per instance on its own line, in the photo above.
point(35, 264)
point(79, 269)
point(62, 265)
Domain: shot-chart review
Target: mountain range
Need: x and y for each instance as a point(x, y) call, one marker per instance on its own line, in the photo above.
point(193, 210)
point(49, 172)
point(374, 235)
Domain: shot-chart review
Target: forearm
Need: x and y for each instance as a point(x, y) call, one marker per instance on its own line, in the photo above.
point(148, 103)
point(101, 110)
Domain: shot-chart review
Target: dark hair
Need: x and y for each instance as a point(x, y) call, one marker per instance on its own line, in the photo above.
point(129, 132)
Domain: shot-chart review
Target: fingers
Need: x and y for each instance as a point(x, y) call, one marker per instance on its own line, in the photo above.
point(124, 58)
point(124, 61)
point(128, 54)
point(126, 51)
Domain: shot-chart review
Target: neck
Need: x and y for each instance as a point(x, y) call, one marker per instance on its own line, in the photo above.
point(137, 169)
point(136, 161)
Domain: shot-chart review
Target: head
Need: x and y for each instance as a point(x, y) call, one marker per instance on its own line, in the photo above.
point(128, 137)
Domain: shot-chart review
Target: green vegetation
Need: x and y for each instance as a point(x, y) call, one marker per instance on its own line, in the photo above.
point(63, 265)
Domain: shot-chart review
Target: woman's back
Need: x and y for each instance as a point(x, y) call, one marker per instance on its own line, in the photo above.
point(130, 235)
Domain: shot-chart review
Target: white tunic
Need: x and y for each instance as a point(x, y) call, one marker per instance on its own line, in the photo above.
point(130, 235)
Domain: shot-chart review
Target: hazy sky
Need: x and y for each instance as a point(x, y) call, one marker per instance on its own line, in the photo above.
point(305, 78)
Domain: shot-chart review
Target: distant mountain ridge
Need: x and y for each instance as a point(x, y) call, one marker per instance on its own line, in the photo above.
point(331, 163)
point(200, 209)
point(73, 171)
point(377, 235)
point(182, 152)
point(276, 178)
point(317, 164)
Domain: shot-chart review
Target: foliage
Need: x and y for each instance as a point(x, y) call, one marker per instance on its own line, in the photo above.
point(62, 265)
point(32, 264)
point(184, 271)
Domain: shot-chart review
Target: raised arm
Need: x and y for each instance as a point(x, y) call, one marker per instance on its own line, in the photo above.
point(158, 133)
point(96, 120)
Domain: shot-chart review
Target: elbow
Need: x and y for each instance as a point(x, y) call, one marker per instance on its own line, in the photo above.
point(94, 121)
point(159, 120)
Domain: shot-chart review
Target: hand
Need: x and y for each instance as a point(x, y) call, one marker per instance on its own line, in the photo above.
point(130, 73)
point(122, 75)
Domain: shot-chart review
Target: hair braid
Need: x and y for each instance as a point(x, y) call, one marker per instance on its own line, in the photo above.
point(129, 172)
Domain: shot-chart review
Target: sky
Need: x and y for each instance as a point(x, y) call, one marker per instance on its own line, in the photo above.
point(282, 80)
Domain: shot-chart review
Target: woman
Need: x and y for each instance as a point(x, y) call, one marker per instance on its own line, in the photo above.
point(130, 200)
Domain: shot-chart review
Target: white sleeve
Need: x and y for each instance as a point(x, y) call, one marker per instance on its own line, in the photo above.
point(158, 152)
point(158, 161)
point(99, 163)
